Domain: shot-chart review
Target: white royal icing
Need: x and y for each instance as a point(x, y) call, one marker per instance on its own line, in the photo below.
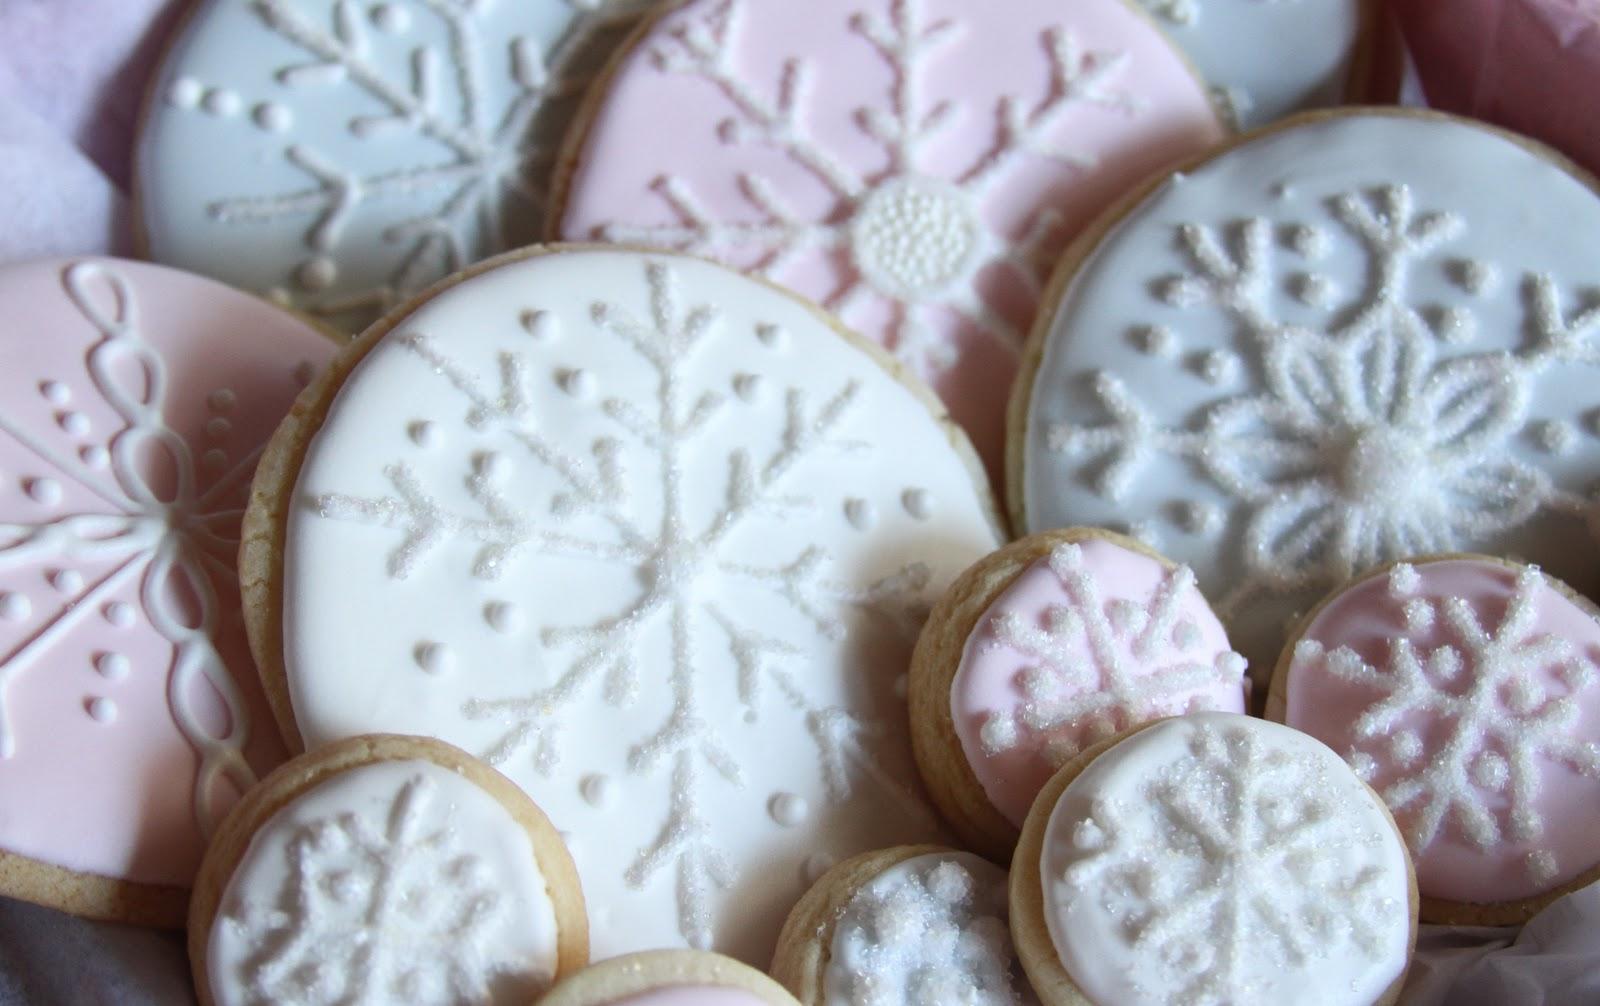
point(1267, 58)
point(929, 930)
point(391, 882)
point(1398, 418)
point(354, 152)
point(1220, 858)
point(706, 628)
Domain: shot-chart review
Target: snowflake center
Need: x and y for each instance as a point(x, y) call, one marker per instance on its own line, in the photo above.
point(675, 568)
point(1384, 465)
point(913, 237)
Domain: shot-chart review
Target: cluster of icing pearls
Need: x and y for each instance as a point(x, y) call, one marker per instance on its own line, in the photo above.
point(929, 931)
point(1221, 858)
point(719, 589)
point(386, 141)
point(390, 882)
point(133, 448)
point(914, 165)
point(1468, 694)
point(1402, 347)
point(1089, 641)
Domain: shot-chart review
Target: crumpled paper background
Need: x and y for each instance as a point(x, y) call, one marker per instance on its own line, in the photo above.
point(72, 76)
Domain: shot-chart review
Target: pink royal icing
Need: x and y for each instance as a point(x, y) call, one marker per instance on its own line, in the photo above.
point(692, 995)
point(915, 165)
point(137, 400)
point(1088, 642)
point(1467, 694)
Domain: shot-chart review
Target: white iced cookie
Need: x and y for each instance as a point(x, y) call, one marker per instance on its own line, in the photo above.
point(904, 927)
point(653, 538)
point(1353, 338)
point(1267, 59)
point(385, 869)
point(340, 155)
point(1212, 858)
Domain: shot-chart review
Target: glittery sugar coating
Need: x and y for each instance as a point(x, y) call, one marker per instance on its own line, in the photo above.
point(1468, 693)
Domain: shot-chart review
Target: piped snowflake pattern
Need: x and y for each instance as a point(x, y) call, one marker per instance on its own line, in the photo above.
point(1361, 443)
point(1499, 725)
point(672, 555)
point(397, 913)
point(930, 933)
point(1221, 875)
point(444, 161)
point(907, 236)
point(175, 543)
point(1090, 672)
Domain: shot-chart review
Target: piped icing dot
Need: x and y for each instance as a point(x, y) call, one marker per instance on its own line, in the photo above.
point(576, 382)
point(598, 790)
point(102, 710)
point(930, 929)
point(221, 102)
point(73, 423)
point(113, 666)
point(423, 433)
point(1090, 640)
point(1148, 849)
point(541, 325)
point(918, 503)
point(66, 581)
point(503, 616)
point(317, 273)
point(435, 658)
point(46, 491)
point(772, 336)
point(1467, 692)
point(185, 92)
point(861, 514)
point(272, 117)
point(14, 606)
point(118, 613)
point(749, 387)
point(788, 809)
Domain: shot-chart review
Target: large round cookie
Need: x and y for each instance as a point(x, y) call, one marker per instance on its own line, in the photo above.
point(916, 165)
point(340, 155)
point(1267, 59)
point(1360, 336)
point(654, 539)
point(136, 402)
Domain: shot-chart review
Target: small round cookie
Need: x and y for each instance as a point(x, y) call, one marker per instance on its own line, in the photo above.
point(1334, 344)
point(1049, 645)
point(340, 155)
point(1268, 60)
point(136, 400)
point(385, 869)
point(914, 165)
point(911, 925)
point(652, 537)
point(1466, 690)
point(668, 978)
point(1212, 858)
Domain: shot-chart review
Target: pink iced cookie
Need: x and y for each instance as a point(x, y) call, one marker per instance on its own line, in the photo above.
point(669, 978)
point(1467, 692)
point(1045, 648)
point(915, 165)
point(137, 400)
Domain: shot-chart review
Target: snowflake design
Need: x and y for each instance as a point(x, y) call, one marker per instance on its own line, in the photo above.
point(172, 543)
point(1224, 866)
point(909, 238)
point(374, 916)
point(1501, 726)
point(1071, 697)
point(671, 558)
point(470, 165)
point(929, 932)
point(1363, 443)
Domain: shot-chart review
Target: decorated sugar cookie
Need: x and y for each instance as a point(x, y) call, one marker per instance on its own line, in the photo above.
point(385, 869)
point(1467, 692)
point(1212, 858)
point(653, 538)
point(136, 402)
point(1336, 344)
point(1045, 647)
point(340, 155)
point(669, 978)
point(909, 925)
point(1269, 58)
point(915, 165)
